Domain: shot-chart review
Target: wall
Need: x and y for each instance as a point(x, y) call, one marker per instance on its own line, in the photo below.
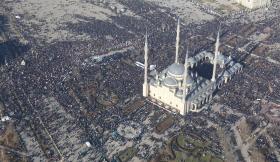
point(253, 4)
point(164, 95)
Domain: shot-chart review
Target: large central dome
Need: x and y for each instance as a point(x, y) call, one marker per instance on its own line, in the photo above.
point(176, 70)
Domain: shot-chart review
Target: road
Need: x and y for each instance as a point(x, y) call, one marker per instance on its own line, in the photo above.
point(244, 146)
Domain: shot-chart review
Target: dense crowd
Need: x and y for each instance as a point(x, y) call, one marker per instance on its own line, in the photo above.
point(55, 71)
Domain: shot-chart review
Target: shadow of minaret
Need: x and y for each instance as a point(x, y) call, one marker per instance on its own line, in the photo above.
point(9, 48)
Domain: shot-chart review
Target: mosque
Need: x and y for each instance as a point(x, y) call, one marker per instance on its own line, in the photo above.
point(181, 90)
point(254, 4)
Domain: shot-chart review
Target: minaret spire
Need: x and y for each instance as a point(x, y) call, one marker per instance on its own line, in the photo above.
point(5, 61)
point(177, 42)
point(185, 82)
point(145, 84)
point(215, 57)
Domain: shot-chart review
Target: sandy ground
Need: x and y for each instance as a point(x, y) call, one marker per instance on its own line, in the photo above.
point(226, 6)
point(50, 17)
point(256, 155)
point(185, 9)
point(244, 130)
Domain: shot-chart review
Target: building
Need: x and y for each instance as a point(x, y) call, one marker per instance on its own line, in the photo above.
point(178, 88)
point(254, 4)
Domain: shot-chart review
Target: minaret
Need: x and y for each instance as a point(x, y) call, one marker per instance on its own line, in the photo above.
point(215, 57)
point(177, 42)
point(5, 61)
point(145, 84)
point(185, 91)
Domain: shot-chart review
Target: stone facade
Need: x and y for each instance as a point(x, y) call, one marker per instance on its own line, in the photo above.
point(254, 4)
point(179, 88)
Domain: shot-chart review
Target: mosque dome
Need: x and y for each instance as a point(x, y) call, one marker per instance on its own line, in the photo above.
point(191, 60)
point(226, 74)
point(180, 92)
point(176, 70)
point(221, 58)
point(189, 80)
point(170, 82)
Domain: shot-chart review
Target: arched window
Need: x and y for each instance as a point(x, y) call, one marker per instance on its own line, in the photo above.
point(193, 107)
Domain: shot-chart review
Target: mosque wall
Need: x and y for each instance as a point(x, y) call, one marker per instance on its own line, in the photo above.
point(253, 4)
point(167, 96)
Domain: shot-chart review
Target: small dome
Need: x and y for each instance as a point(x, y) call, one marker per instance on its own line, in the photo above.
point(238, 65)
point(176, 70)
point(234, 68)
point(191, 60)
point(180, 92)
point(153, 73)
point(170, 82)
point(195, 101)
point(189, 80)
point(226, 74)
point(221, 57)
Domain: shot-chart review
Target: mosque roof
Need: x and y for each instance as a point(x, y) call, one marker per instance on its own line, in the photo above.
point(176, 70)
point(170, 82)
point(191, 60)
point(226, 74)
point(180, 92)
point(221, 57)
point(189, 80)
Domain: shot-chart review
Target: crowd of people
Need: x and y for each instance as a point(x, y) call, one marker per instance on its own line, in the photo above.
point(55, 70)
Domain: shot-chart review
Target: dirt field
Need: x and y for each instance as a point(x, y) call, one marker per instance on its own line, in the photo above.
point(164, 125)
point(10, 148)
point(244, 130)
point(133, 106)
point(256, 155)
